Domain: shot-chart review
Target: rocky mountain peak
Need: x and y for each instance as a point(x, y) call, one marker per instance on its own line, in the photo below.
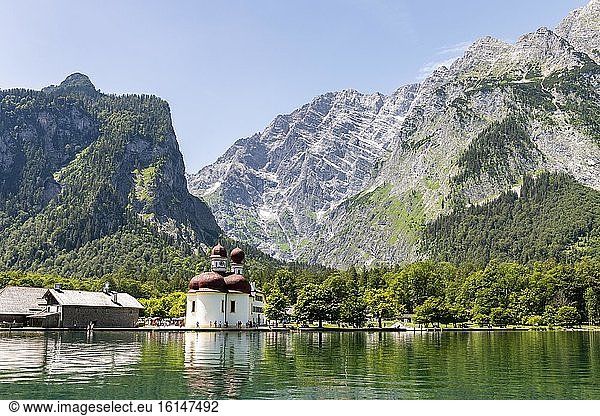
point(300, 167)
point(398, 103)
point(353, 178)
point(543, 50)
point(486, 44)
point(537, 53)
point(77, 83)
point(543, 38)
point(580, 28)
point(479, 57)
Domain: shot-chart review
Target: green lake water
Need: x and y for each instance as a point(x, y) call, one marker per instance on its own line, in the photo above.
point(310, 365)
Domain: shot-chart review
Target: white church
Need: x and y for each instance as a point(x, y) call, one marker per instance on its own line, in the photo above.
point(222, 298)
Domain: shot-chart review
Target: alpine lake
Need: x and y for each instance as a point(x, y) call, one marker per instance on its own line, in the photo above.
point(300, 365)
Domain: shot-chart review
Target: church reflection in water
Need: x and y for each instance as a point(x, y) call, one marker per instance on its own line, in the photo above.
point(221, 364)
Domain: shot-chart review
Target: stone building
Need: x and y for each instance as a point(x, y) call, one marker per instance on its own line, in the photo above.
point(56, 307)
point(224, 298)
point(104, 309)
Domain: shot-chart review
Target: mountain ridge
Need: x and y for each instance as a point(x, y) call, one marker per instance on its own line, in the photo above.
point(78, 166)
point(463, 136)
point(351, 123)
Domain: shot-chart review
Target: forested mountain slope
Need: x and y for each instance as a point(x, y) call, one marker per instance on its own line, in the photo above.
point(92, 184)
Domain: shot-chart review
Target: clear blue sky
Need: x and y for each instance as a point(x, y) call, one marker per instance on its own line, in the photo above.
point(228, 68)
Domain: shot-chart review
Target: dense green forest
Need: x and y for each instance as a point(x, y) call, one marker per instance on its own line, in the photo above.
point(499, 293)
point(547, 293)
point(552, 216)
point(93, 185)
point(495, 150)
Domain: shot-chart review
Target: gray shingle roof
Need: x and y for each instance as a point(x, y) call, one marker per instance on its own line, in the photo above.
point(21, 300)
point(82, 298)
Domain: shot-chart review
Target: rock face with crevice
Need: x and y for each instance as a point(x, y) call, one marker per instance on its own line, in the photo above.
point(274, 188)
point(354, 179)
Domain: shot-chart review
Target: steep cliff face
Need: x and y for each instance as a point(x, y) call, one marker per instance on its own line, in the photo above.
point(354, 179)
point(499, 113)
point(77, 166)
point(273, 188)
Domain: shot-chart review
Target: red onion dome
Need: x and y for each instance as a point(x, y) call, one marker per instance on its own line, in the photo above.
point(208, 280)
point(238, 283)
point(218, 250)
point(237, 255)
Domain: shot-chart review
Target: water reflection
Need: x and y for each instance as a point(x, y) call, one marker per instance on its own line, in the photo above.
point(77, 365)
point(221, 365)
point(307, 365)
point(64, 357)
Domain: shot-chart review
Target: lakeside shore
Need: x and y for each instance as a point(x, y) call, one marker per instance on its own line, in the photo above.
point(292, 329)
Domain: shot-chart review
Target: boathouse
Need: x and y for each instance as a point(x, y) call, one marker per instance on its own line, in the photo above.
point(104, 309)
point(51, 308)
point(17, 304)
point(224, 298)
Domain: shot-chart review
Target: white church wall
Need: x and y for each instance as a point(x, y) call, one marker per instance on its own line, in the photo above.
point(204, 307)
point(242, 308)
